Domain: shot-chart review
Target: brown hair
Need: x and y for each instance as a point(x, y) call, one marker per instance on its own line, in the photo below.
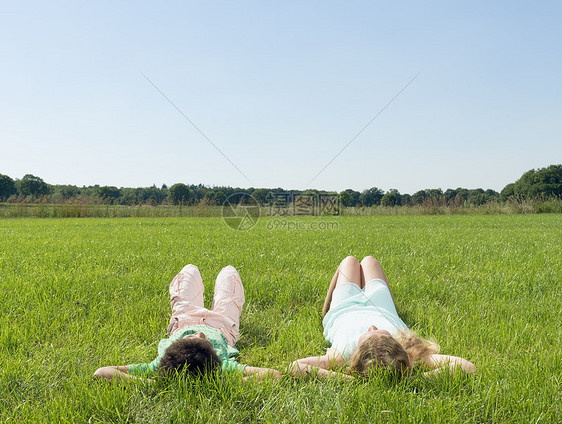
point(399, 355)
point(194, 355)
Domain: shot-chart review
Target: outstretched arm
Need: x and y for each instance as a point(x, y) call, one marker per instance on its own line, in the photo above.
point(261, 373)
point(319, 366)
point(115, 373)
point(441, 363)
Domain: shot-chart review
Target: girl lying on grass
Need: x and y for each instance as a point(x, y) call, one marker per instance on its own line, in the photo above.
point(201, 340)
point(365, 331)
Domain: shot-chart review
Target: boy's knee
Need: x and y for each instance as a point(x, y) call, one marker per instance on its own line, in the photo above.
point(189, 268)
point(228, 273)
point(229, 269)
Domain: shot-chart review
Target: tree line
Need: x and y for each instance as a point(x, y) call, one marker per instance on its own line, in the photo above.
point(541, 183)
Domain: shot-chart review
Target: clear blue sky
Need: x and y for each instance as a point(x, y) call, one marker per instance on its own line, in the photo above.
point(280, 88)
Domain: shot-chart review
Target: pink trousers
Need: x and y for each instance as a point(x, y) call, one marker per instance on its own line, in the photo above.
point(186, 296)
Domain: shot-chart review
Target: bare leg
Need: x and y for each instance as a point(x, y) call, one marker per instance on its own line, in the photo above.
point(349, 271)
point(328, 299)
point(371, 269)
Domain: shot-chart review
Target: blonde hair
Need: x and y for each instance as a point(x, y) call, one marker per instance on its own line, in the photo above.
point(398, 354)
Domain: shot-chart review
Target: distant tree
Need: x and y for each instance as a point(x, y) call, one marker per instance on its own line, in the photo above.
point(263, 195)
point(405, 199)
point(108, 193)
point(227, 191)
point(476, 196)
point(349, 197)
point(240, 196)
point(542, 182)
point(129, 196)
point(208, 198)
point(65, 192)
point(30, 185)
point(371, 196)
point(492, 195)
point(450, 195)
point(391, 198)
point(203, 193)
point(433, 194)
point(219, 197)
point(354, 195)
point(7, 186)
point(418, 197)
point(180, 193)
point(274, 196)
point(479, 197)
point(345, 198)
point(164, 187)
point(507, 192)
point(142, 195)
point(198, 192)
point(154, 195)
point(462, 195)
point(90, 191)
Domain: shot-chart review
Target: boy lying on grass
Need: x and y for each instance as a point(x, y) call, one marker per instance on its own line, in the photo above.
point(201, 340)
point(361, 323)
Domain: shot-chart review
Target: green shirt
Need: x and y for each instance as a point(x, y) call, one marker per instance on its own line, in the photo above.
point(225, 352)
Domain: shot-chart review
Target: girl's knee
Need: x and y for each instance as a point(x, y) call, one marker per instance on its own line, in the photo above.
point(350, 260)
point(369, 260)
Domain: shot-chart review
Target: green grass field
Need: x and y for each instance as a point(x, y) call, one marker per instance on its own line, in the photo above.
point(77, 294)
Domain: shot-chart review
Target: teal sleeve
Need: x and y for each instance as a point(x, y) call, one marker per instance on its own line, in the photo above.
point(143, 369)
point(231, 366)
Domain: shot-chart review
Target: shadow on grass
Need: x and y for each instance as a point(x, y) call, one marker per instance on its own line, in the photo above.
point(256, 331)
